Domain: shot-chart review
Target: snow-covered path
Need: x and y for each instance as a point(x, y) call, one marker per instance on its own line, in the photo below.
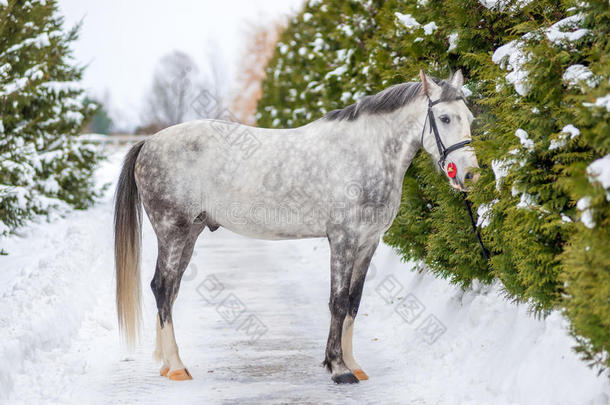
point(251, 322)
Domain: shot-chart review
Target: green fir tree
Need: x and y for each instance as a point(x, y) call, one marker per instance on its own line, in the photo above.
point(43, 166)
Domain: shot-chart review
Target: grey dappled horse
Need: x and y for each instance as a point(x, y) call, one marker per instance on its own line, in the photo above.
point(346, 170)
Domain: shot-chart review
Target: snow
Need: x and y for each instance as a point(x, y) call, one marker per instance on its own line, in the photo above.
point(511, 56)
point(566, 30)
point(484, 214)
point(599, 171)
point(346, 97)
point(407, 20)
point(59, 87)
point(500, 5)
point(527, 201)
point(16, 85)
point(4, 69)
point(59, 340)
point(494, 4)
point(586, 217)
point(557, 143)
point(75, 116)
point(318, 44)
point(523, 136)
point(571, 130)
point(501, 168)
point(346, 29)
point(466, 91)
point(344, 55)
point(561, 141)
point(50, 185)
point(40, 41)
point(336, 72)
point(600, 102)
point(575, 74)
point(430, 28)
point(453, 38)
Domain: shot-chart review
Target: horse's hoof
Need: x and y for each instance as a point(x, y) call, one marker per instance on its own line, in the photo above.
point(346, 378)
point(163, 372)
point(180, 375)
point(360, 374)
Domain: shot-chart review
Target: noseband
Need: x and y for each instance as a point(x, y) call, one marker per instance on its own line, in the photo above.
point(442, 150)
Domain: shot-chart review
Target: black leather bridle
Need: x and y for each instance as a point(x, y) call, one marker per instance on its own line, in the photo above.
point(442, 150)
point(443, 153)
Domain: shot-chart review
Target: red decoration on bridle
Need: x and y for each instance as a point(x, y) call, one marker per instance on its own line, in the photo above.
point(451, 170)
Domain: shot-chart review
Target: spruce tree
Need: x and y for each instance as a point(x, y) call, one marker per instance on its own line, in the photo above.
point(43, 166)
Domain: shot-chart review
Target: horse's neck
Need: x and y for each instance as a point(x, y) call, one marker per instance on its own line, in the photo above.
point(396, 135)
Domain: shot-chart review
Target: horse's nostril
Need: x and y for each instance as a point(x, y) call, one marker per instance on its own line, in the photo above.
point(468, 176)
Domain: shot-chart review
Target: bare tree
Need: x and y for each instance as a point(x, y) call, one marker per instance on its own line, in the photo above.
point(181, 91)
point(173, 84)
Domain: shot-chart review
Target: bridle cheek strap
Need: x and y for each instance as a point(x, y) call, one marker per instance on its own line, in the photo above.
point(443, 153)
point(442, 150)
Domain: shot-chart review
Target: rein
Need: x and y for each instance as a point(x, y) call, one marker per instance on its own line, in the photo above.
point(443, 153)
point(475, 230)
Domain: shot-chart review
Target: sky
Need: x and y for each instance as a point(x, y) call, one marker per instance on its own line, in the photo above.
point(121, 41)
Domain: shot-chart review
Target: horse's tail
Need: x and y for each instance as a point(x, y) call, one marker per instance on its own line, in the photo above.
point(127, 239)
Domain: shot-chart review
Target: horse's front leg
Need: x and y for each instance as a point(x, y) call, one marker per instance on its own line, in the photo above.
point(342, 256)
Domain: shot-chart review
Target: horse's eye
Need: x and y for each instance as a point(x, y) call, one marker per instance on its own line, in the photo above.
point(445, 119)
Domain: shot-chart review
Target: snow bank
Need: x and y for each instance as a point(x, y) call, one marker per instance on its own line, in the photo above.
point(48, 283)
point(420, 339)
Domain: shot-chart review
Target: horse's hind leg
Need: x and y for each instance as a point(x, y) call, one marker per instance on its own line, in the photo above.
point(342, 255)
point(361, 266)
point(176, 240)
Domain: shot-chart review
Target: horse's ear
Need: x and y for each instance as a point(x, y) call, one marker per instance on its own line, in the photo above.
point(429, 88)
point(457, 80)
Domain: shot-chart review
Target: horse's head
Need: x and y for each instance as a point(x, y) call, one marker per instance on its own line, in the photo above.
point(446, 134)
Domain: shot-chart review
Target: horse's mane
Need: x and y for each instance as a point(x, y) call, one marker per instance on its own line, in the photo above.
point(391, 99)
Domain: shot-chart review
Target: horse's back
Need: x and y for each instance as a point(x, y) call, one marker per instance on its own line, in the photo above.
point(221, 168)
